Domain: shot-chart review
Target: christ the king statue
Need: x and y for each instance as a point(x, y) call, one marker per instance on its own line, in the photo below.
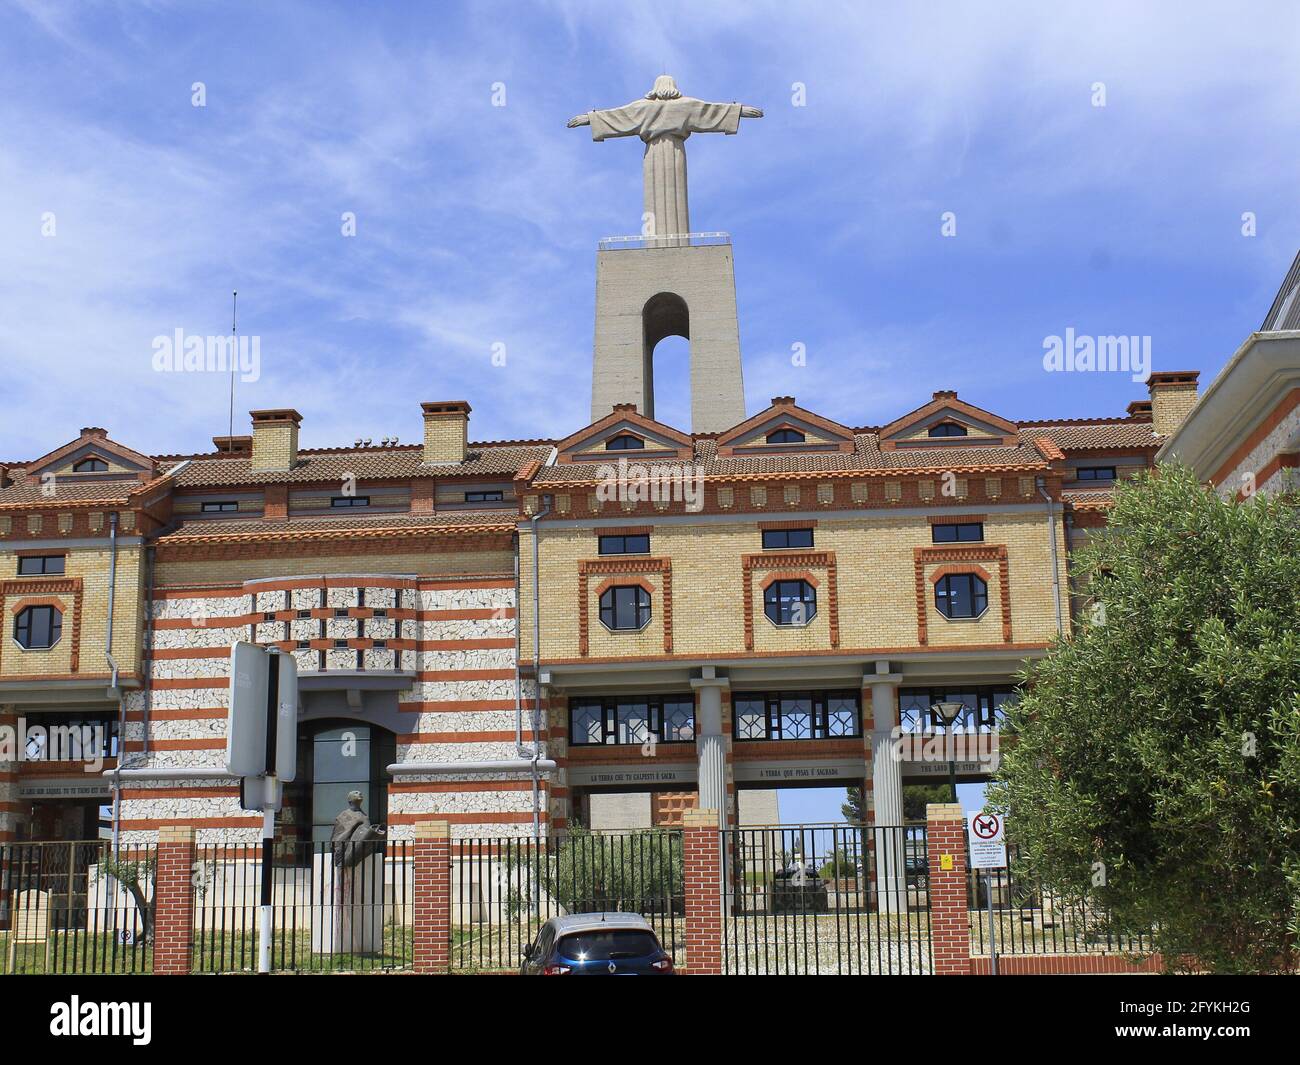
point(663, 120)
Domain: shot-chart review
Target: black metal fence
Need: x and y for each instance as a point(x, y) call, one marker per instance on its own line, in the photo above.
point(503, 889)
point(813, 899)
point(75, 908)
point(1029, 918)
point(327, 916)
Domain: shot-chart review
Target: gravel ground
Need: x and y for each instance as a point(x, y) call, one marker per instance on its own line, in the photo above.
point(773, 944)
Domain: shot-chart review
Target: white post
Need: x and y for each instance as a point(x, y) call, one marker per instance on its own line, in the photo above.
point(268, 848)
point(887, 790)
point(710, 746)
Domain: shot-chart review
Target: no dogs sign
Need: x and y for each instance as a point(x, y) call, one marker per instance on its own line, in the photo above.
point(988, 849)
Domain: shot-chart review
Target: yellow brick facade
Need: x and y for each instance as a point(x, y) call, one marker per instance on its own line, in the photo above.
point(875, 574)
point(83, 641)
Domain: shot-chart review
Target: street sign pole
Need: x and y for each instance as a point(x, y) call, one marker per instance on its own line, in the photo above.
point(268, 814)
point(988, 851)
point(262, 750)
point(993, 942)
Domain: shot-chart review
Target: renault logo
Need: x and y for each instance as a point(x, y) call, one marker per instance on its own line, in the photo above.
point(612, 966)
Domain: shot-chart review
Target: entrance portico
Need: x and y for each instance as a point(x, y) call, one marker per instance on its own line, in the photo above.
point(715, 728)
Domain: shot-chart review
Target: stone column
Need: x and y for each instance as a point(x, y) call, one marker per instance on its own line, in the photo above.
point(431, 931)
point(710, 744)
point(173, 930)
point(887, 790)
point(949, 914)
point(702, 873)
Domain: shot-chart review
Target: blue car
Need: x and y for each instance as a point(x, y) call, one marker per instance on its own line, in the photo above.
point(596, 944)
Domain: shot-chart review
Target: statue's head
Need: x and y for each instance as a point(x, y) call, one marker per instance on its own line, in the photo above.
point(354, 798)
point(665, 88)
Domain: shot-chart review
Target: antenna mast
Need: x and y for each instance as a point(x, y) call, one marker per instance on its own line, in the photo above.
point(234, 357)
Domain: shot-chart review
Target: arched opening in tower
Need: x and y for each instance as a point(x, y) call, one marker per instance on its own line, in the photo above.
point(666, 318)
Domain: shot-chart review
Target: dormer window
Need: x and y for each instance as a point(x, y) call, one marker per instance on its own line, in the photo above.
point(945, 429)
point(90, 466)
point(785, 436)
point(624, 442)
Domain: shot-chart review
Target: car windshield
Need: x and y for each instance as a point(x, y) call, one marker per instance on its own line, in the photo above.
point(608, 944)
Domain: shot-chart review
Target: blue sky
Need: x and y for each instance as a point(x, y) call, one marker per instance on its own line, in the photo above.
point(476, 225)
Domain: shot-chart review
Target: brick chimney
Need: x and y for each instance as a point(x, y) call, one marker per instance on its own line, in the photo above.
point(446, 431)
point(1173, 395)
point(275, 439)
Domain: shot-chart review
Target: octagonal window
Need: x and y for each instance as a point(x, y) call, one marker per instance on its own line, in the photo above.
point(38, 627)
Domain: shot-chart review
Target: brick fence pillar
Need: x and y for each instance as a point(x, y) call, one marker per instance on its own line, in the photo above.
point(173, 892)
point(432, 884)
point(949, 919)
point(702, 871)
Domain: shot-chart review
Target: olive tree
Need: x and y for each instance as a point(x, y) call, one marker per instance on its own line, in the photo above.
point(1156, 767)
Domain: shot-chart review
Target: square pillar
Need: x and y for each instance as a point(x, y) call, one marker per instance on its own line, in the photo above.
point(431, 917)
point(173, 891)
point(702, 873)
point(949, 913)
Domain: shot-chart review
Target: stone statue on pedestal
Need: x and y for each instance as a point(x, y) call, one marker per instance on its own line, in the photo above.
point(351, 922)
point(663, 120)
point(352, 830)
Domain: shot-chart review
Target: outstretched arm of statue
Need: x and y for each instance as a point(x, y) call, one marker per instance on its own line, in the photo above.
point(579, 120)
point(750, 112)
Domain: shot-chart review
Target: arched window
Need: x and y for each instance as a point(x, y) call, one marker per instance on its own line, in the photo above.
point(625, 607)
point(785, 436)
point(790, 602)
point(624, 443)
point(90, 466)
point(961, 595)
point(947, 429)
point(38, 627)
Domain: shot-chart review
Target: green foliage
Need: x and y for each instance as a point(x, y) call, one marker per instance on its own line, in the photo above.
point(136, 877)
point(1157, 762)
point(588, 872)
point(852, 808)
point(916, 797)
point(840, 867)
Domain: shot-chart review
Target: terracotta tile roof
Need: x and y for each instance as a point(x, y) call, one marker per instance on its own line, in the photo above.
point(1088, 498)
point(62, 492)
point(1098, 436)
point(866, 458)
point(361, 525)
point(72, 493)
point(364, 464)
